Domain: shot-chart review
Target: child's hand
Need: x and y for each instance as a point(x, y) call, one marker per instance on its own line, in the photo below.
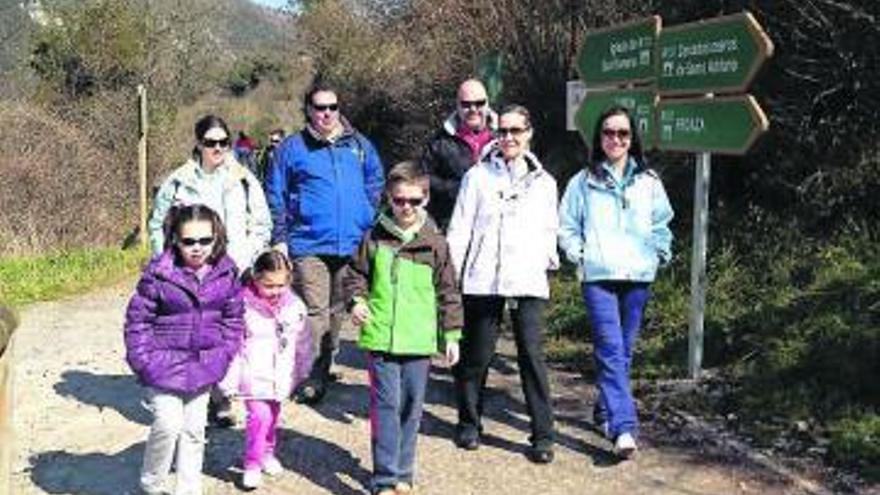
point(360, 314)
point(452, 353)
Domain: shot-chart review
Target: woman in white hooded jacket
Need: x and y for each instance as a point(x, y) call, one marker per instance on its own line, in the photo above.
point(502, 240)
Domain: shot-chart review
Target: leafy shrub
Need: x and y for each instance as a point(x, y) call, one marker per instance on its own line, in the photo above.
point(855, 442)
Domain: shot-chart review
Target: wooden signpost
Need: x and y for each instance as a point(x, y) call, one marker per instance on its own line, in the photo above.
point(683, 85)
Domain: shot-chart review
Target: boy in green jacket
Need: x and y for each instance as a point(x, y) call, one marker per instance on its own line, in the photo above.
point(398, 282)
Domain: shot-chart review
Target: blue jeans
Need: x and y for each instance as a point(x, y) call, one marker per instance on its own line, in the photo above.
point(615, 311)
point(397, 394)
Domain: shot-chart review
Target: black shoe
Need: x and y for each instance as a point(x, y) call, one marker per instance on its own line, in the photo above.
point(467, 440)
point(541, 455)
point(310, 392)
point(220, 414)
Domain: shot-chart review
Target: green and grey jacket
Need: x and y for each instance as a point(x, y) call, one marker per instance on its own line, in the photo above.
point(405, 285)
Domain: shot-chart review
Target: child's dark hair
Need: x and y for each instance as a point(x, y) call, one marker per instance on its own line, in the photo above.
point(267, 262)
point(179, 215)
point(597, 154)
point(407, 172)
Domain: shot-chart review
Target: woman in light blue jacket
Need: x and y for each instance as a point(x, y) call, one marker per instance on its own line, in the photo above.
point(614, 225)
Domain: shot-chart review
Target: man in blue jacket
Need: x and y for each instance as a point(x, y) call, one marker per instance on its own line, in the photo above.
point(323, 189)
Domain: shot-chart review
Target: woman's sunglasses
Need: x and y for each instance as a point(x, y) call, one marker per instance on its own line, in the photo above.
point(212, 143)
point(192, 241)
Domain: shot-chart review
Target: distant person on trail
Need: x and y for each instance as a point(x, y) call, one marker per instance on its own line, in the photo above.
point(457, 146)
point(245, 150)
point(502, 238)
point(404, 298)
point(276, 356)
point(323, 189)
point(214, 178)
point(268, 153)
point(614, 225)
point(183, 326)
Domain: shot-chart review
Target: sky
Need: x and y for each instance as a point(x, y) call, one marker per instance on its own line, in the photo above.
point(271, 3)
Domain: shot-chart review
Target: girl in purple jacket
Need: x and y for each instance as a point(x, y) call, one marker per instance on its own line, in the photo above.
point(183, 326)
point(275, 357)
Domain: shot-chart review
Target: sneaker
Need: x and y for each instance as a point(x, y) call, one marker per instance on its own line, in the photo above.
point(403, 488)
point(272, 466)
point(625, 445)
point(252, 478)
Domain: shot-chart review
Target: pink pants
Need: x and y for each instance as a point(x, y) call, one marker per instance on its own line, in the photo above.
point(260, 439)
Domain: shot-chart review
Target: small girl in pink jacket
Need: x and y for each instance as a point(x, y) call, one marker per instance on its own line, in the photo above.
point(275, 357)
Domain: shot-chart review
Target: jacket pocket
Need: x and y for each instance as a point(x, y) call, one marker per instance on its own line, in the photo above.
point(474, 257)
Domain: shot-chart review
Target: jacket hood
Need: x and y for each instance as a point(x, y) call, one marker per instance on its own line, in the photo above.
point(492, 155)
point(450, 125)
point(253, 300)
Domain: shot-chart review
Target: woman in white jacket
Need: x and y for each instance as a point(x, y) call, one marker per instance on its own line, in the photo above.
point(502, 239)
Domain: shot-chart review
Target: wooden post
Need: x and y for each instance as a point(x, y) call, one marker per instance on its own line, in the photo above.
point(142, 162)
point(7, 326)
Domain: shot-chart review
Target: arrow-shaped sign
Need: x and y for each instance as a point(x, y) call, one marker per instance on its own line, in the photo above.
point(720, 55)
point(640, 103)
point(718, 125)
point(619, 54)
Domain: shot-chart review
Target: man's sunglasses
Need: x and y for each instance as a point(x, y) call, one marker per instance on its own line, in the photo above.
point(192, 241)
point(414, 202)
point(212, 143)
point(478, 104)
point(320, 108)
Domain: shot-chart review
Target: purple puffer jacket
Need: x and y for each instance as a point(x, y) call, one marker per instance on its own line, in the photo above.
point(181, 334)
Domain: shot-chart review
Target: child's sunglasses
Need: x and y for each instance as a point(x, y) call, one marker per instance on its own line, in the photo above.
point(192, 241)
point(414, 202)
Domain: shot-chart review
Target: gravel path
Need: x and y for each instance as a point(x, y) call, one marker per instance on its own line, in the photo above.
point(80, 428)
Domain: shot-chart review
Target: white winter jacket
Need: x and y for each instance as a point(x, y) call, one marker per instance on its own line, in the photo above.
point(276, 354)
point(502, 234)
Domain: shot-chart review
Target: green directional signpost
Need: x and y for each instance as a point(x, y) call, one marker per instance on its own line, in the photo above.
point(640, 102)
point(720, 55)
point(619, 54)
point(720, 125)
point(684, 85)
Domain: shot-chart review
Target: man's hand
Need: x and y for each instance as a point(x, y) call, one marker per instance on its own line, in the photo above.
point(360, 314)
point(452, 353)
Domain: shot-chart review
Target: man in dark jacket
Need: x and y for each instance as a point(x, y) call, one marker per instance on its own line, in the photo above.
point(323, 188)
point(457, 146)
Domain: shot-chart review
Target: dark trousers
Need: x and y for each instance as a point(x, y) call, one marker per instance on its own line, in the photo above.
point(615, 311)
point(482, 316)
point(318, 280)
point(397, 396)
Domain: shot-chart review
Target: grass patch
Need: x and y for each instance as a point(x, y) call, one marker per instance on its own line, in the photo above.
point(24, 280)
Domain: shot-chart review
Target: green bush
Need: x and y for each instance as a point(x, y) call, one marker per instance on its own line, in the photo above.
point(855, 442)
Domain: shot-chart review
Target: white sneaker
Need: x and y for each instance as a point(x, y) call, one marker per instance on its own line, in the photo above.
point(625, 445)
point(272, 466)
point(252, 478)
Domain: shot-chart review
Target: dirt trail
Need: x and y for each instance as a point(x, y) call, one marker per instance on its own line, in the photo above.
point(80, 428)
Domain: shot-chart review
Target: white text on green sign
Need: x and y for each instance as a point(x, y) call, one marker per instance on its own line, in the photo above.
point(718, 125)
point(720, 55)
point(619, 54)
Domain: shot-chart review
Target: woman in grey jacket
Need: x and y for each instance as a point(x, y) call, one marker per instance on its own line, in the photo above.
point(502, 239)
